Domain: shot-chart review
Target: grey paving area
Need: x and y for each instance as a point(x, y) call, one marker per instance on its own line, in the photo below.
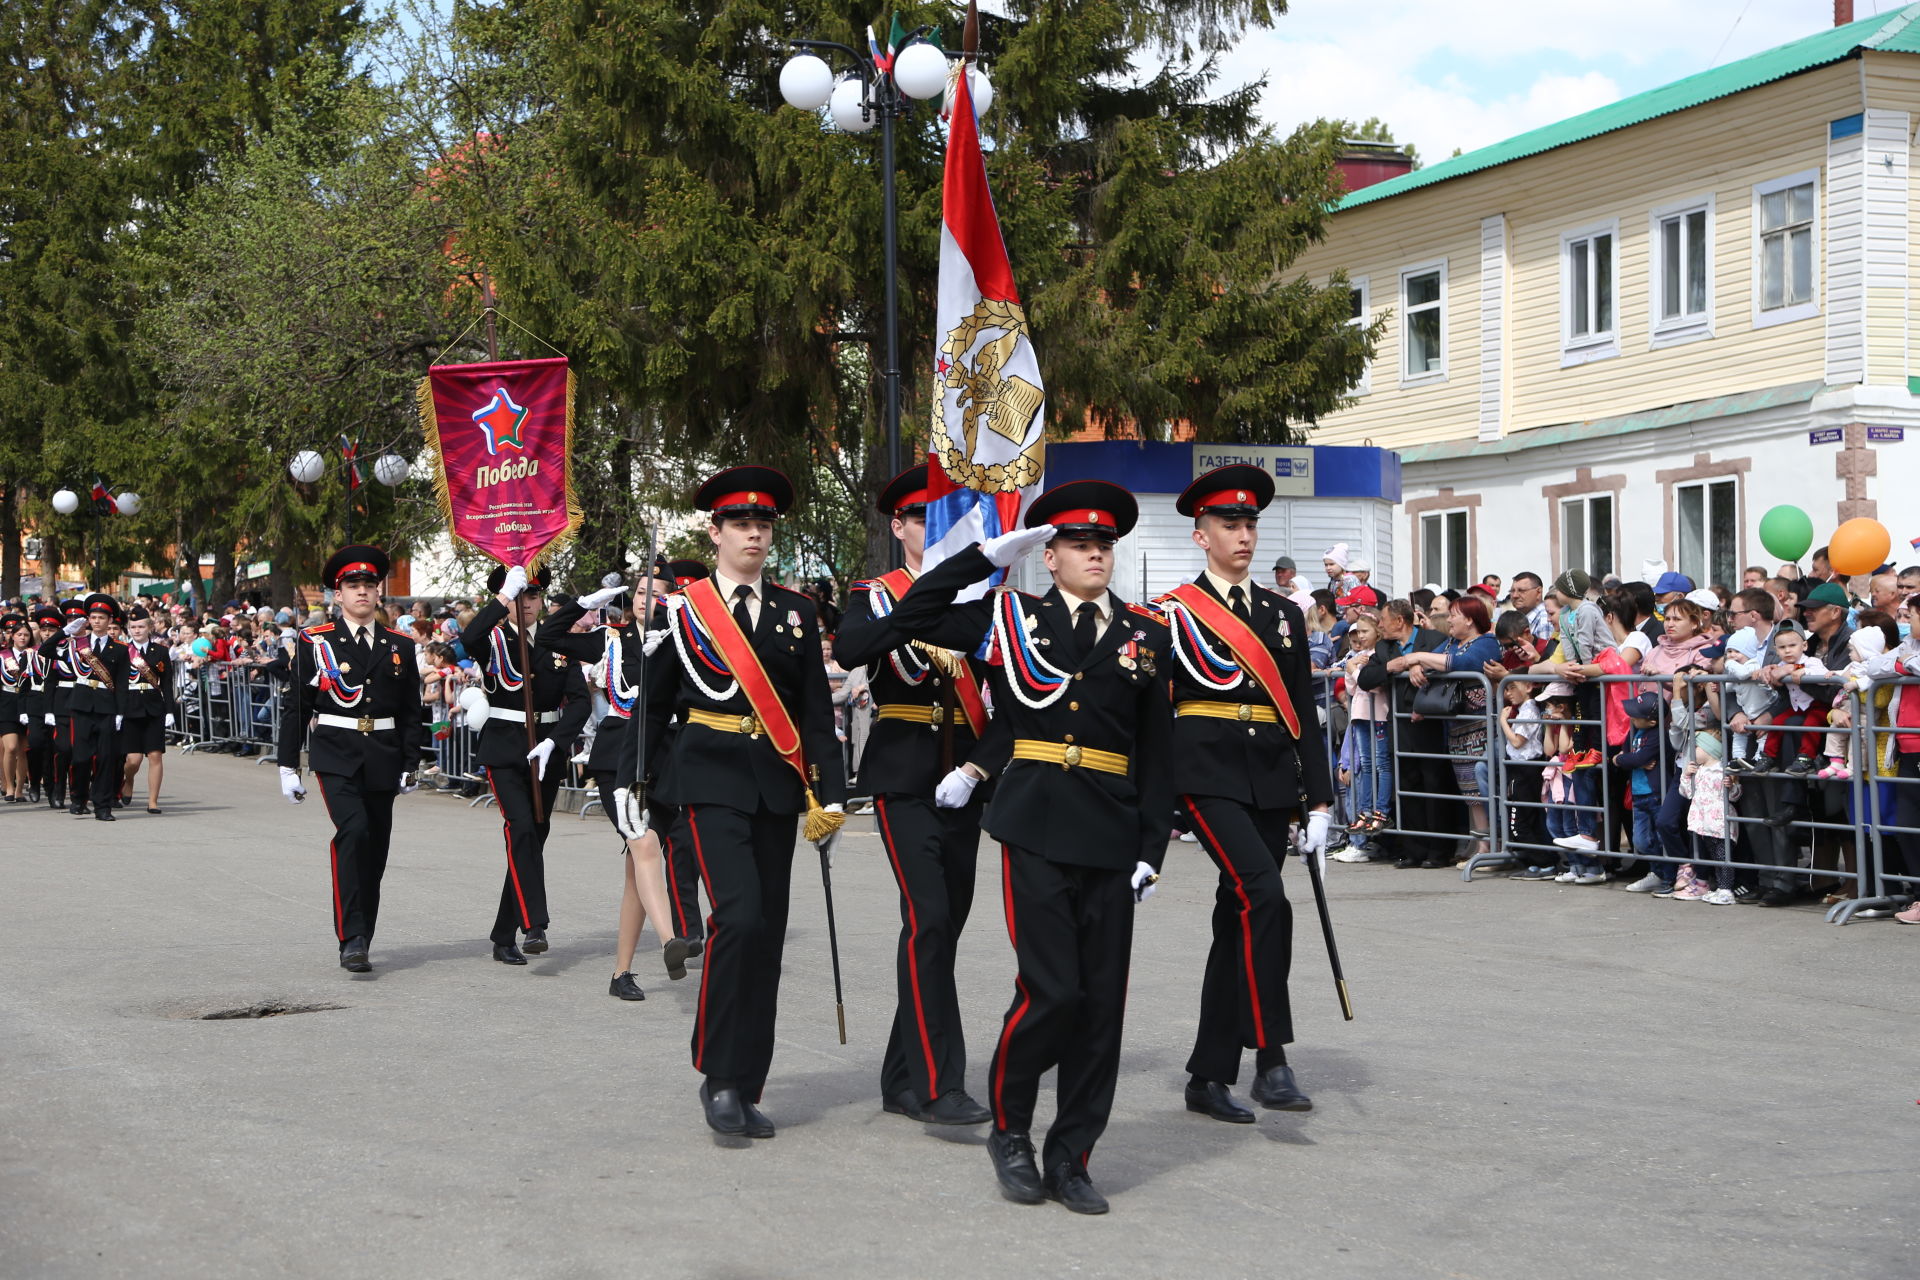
point(1542, 1081)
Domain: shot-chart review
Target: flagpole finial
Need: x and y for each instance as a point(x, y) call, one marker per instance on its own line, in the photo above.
point(970, 33)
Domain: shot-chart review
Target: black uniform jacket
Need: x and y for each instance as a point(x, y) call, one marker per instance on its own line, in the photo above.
point(1375, 674)
point(1256, 764)
point(36, 692)
point(88, 694)
point(59, 674)
point(902, 756)
point(1065, 814)
point(391, 688)
point(152, 699)
point(704, 765)
point(556, 633)
point(557, 686)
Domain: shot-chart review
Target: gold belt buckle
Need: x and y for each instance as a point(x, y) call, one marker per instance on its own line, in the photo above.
point(750, 725)
point(1246, 712)
point(365, 724)
point(939, 715)
point(1072, 756)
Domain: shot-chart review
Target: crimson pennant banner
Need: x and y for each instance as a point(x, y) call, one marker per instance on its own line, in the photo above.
point(502, 439)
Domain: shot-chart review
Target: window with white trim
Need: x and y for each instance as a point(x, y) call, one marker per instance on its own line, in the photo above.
point(1443, 549)
point(1589, 281)
point(1786, 244)
point(1423, 311)
point(1706, 523)
point(1586, 534)
point(1361, 288)
point(1681, 280)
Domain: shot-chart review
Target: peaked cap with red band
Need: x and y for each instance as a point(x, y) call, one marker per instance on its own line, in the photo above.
point(1086, 509)
point(73, 608)
point(1237, 490)
point(745, 491)
point(106, 604)
point(684, 571)
point(905, 494)
point(358, 559)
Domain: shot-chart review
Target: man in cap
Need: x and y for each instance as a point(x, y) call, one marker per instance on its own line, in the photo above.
point(1671, 586)
point(150, 701)
point(1246, 767)
point(96, 706)
point(930, 717)
point(1081, 739)
point(519, 758)
point(359, 685)
point(1284, 574)
point(742, 669)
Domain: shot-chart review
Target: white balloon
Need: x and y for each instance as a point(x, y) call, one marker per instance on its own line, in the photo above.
point(920, 71)
point(128, 503)
point(390, 469)
point(66, 502)
point(307, 466)
point(844, 107)
point(806, 82)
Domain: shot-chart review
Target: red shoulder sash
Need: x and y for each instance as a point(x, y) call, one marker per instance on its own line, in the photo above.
point(1247, 649)
point(703, 597)
point(966, 686)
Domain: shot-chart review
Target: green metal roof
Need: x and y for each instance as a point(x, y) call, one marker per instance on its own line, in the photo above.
point(1895, 32)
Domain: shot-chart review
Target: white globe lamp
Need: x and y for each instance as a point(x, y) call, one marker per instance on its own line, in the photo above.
point(391, 469)
point(920, 71)
point(844, 107)
point(128, 504)
point(307, 466)
point(806, 82)
point(66, 502)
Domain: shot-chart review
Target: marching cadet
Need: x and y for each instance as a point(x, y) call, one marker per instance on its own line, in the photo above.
point(59, 715)
point(603, 648)
point(150, 707)
point(97, 706)
point(15, 637)
point(1082, 810)
point(742, 669)
point(514, 769)
point(930, 713)
point(359, 683)
point(36, 701)
point(1245, 770)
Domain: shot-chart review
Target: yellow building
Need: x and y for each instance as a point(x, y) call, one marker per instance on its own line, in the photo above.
point(1624, 336)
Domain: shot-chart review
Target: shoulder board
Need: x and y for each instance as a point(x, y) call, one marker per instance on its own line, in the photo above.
point(1145, 611)
point(774, 588)
point(865, 584)
point(322, 629)
point(404, 635)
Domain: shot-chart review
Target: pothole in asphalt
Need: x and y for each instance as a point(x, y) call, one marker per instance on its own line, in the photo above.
point(264, 1009)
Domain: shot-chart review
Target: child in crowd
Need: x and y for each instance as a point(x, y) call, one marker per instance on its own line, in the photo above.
point(1706, 784)
point(1521, 725)
point(1365, 765)
point(1753, 700)
point(1568, 791)
point(1866, 645)
point(1639, 759)
point(1795, 704)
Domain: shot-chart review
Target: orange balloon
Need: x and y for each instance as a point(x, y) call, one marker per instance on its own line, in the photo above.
point(1859, 546)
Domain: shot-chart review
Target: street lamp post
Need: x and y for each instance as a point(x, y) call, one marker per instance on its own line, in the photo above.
point(66, 502)
point(390, 469)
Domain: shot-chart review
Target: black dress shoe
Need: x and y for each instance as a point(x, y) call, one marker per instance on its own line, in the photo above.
point(1774, 898)
point(153, 808)
point(695, 946)
point(1437, 864)
point(954, 1107)
point(625, 987)
point(1068, 1183)
point(353, 956)
point(535, 943)
point(1013, 1165)
point(724, 1111)
point(508, 954)
point(758, 1126)
point(1211, 1098)
point(675, 955)
point(1275, 1090)
point(104, 814)
point(77, 810)
point(1407, 864)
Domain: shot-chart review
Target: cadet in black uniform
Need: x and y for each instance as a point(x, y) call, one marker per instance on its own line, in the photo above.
point(560, 707)
point(1248, 762)
point(15, 644)
point(603, 648)
point(59, 718)
point(742, 668)
point(150, 706)
point(96, 706)
point(1082, 810)
point(359, 683)
point(36, 701)
point(922, 732)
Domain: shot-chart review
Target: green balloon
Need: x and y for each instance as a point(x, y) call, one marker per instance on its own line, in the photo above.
point(1786, 532)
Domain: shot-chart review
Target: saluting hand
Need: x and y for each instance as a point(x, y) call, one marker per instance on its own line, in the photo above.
point(1001, 552)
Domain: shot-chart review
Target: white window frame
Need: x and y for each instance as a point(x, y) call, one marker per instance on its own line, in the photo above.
point(1704, 575)
point(1426, 545)
point(1599, 345)
point(1363, 286)
point(1586, 501)
point(1662, 331)
point(1801, 311)
point(1430, 377)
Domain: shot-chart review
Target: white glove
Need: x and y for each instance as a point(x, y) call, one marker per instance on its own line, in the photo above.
point(290, 785)
point(118, 723)
point(1145, 881)
point(49, 717)
point(600, 598)
point(75, 626)
point(629, 816)
point(955, 790)
point(540, 754)
point(169, 723)
point(515, 583)
point(1002, 551)
point(652, 641)
point(1313, 839)
point(23, 717)
point(407, 784)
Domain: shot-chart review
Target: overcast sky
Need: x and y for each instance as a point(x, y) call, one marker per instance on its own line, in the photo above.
point(1465, 73)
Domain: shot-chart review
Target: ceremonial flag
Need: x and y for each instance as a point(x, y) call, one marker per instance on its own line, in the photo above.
point(351, 452)
point(101, 495)
point(501, 435)
point(988, 449)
